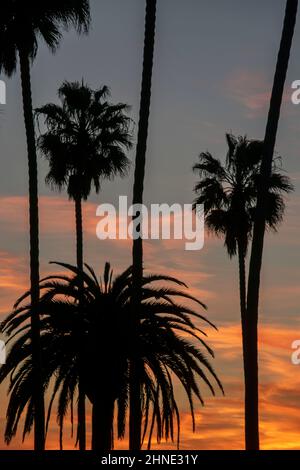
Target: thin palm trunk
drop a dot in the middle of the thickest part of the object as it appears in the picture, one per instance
(81, 392)
(102, 421)
(243, 308)
(252, 429)
(242, 280)
(137, 252)
(38, 392)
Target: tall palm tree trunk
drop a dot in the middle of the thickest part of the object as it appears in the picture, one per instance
(81, 392)
(137, 252)
(243, 308)
(38, 391)
(252, 429)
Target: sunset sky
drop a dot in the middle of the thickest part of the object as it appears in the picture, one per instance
(214, 65)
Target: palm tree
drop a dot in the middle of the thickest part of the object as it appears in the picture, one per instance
(21, 24)
(252, 432)
(85, 143)
(229, 195)
(138, 188)
(162, 350)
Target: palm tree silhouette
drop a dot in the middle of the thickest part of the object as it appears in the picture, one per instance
(85, 142)
(252, 431)
(138, 189)
(21, 24)
(166, 346)
(229, 195)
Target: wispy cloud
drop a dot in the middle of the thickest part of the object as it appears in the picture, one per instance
(210, 277)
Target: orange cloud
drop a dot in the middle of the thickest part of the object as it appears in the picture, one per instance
(211, 277)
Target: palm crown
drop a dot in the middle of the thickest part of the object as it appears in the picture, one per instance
(86, 139)
(229, 192)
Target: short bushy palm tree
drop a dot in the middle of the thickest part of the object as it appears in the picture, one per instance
(229, 195)
(138, 189)
(167, 347)
(85, 142)
(22, 24)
